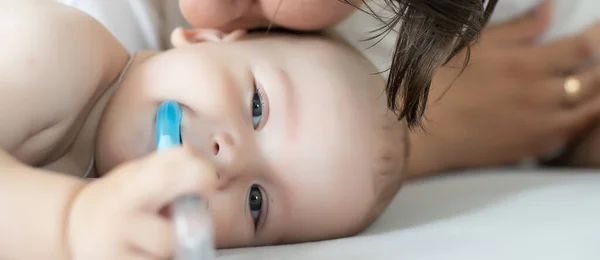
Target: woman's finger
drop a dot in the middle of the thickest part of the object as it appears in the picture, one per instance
(524, 29)
(573, 121)
(566, 54)
(152, 235)
(576, 90)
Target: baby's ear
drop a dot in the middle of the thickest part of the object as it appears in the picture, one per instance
(181, 37)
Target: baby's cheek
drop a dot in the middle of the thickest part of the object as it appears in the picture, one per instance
(230, 235)
(231, 228)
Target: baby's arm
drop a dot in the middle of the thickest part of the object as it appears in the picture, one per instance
(33, 206)
(52, 59)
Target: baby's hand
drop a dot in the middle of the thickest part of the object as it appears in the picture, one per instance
(119, 216)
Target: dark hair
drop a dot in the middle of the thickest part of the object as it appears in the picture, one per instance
(430, 34)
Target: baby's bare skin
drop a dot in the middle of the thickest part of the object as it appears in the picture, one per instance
(46, 89)
(315, 126)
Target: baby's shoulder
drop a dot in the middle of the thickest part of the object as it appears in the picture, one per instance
(55, 60)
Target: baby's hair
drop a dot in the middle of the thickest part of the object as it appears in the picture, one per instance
(430, 34)
(391, 166)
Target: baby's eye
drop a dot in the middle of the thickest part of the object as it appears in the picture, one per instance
(255, 200)
(257, 109)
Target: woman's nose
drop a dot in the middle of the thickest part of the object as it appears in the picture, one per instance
(214, 13)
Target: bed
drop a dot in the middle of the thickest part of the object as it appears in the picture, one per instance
(483, 214)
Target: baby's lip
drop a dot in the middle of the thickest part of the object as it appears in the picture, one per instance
(194, 136)
(196, 132)
(183, 126)
(185, 119)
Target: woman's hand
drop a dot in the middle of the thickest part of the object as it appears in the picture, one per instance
(510, 103)
(121, 216)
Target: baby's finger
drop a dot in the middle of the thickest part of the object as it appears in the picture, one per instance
(170, 174)
(138, 257)
(157, 180)
(152, 235)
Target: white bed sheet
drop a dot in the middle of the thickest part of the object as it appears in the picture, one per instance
(494, 214)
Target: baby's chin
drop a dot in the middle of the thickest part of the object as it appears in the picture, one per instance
(111, 154)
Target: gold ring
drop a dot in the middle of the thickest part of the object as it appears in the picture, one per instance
(572, 89)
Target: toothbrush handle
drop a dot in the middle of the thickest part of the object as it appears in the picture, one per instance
(192, 220)
(193, 229)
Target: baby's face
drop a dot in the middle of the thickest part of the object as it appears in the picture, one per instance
(293, 14)
(292, 125)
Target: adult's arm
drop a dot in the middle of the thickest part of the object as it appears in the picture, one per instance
(510, 103)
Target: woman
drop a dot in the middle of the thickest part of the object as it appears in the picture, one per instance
(517, 99)
(428, 37)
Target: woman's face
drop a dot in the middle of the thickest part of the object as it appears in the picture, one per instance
(244, 14)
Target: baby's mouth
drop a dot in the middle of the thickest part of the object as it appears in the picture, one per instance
(184, 125)
(195, 133)
(197, 143)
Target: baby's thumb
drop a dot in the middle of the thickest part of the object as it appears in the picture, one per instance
(159, 179)
(524, 29)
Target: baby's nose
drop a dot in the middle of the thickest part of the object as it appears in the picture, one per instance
(223, 147)
(218, 147)
(216, 143)
(226, 154)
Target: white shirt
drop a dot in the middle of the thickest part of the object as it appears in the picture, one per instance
(137, 24)
(569, 16)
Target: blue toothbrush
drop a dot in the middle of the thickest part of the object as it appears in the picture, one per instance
(192, 222)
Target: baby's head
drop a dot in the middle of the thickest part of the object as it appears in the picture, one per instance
(296, 125)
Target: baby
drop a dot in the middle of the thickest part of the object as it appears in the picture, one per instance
(287, 137)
